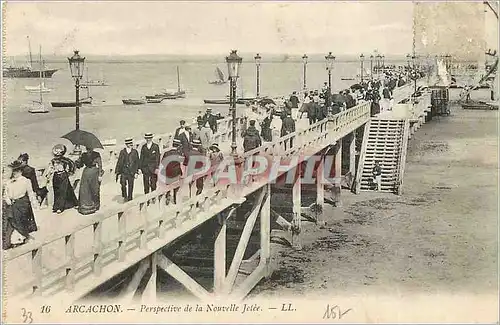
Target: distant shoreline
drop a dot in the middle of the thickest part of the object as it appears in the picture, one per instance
(215, 58)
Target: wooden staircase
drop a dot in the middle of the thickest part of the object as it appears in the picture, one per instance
(385, 140)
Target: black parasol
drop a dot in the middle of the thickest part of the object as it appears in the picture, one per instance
(265, 101)
(83, 138)
(356, 87)
(338, 98)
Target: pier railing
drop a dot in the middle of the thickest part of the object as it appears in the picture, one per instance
(141, 226)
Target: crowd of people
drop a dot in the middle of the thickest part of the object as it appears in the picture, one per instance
(264, 121)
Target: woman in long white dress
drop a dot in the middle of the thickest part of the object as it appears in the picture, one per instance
(20, 201)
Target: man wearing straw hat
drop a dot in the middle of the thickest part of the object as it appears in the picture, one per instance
(149, 162)
(127, 167)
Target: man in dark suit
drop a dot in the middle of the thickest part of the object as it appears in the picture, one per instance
(127, 167)
(178, 131)
(186, 146)
(211, 119)
(150, 160)
(287, 127)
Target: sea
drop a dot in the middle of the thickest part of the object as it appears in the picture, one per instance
(133, 78)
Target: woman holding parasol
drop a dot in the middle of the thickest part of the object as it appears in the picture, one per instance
(88, 194)
(90, 182)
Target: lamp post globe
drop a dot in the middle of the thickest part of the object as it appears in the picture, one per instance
(258, 58)
(233, 66)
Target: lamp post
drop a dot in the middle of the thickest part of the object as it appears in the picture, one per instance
(257, 63)
(361, 59)
(371, 66)
(413, 59)
(233, 66)
(304, 60)
(378, 64)
(330, 59)
(76, 66)
(383, 61)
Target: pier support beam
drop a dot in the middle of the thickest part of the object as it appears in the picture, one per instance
(265, 233)
(220, 254)
(338, 173)
(320, 192)
(128, 292)
(149, 294)
(243, 243)
(297, 209)
(352, 153)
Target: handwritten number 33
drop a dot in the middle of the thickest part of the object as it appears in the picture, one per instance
(27, 317)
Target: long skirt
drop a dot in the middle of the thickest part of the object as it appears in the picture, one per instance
(21, 216)
(64, 195)
(89, 196)
(266, 134)
(6, 225)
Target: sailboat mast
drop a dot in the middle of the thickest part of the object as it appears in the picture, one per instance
(87, 78)
(178, 81)
(29, 52)
(40, 58)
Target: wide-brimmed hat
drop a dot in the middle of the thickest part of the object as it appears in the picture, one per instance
(214, 146)
(16, 165)
(148, 136)
(129, 141)
(23, 157)
(59, 150)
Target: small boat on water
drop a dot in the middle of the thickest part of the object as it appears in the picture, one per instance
(346, 78)
(83, 101)
(221, 80)
(226, 101)
(162, 96)
(37, 107)
(133, 101)
(95, 83)
(86, 101)
(36, 89)
(154, 100)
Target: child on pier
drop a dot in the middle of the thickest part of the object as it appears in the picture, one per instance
(377, 176)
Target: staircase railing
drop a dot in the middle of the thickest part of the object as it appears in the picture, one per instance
(402, 157)
(362, 154)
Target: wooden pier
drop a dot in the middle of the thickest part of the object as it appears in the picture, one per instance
(73, 254)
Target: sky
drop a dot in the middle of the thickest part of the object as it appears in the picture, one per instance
(139, 28)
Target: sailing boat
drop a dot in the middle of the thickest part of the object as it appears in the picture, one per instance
(220, 76)
(38, 106)
(95, 83)
(27, 71)
(166, 94)
(41, 87)
(84, 100)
